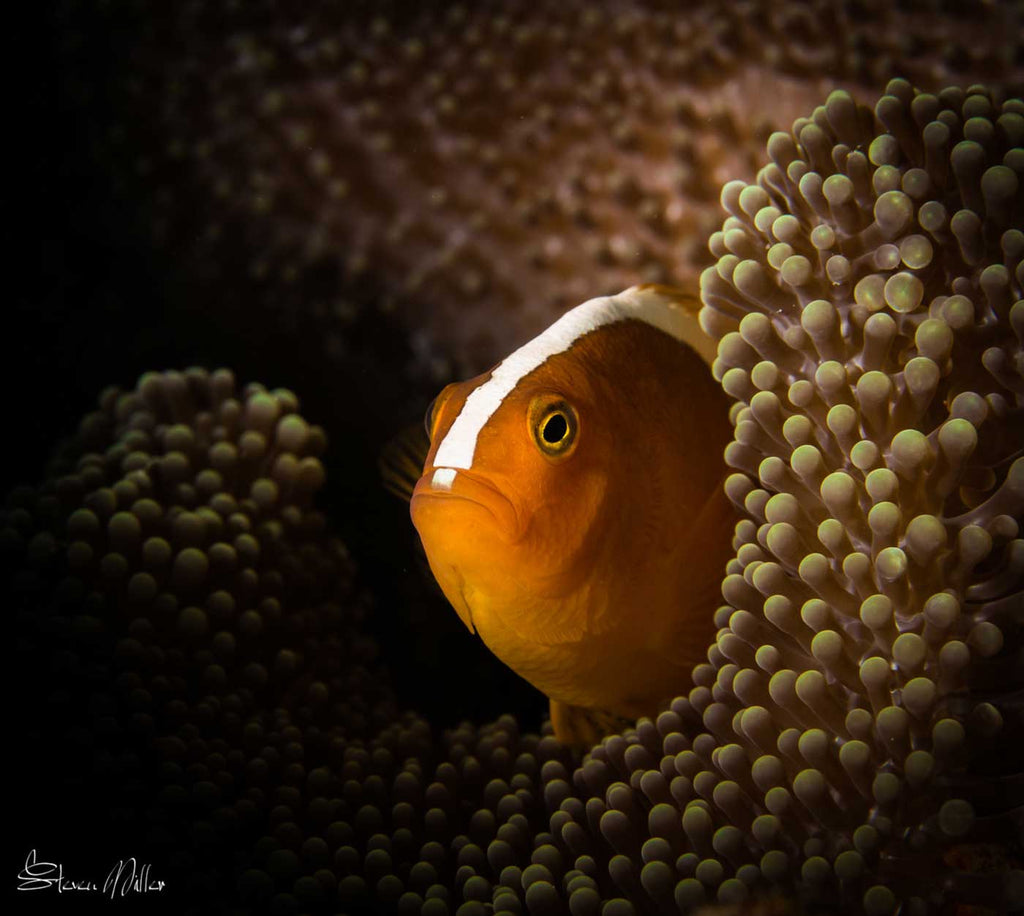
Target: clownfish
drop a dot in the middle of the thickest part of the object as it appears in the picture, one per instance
(572, 510)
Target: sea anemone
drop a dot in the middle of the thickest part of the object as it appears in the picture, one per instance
(862, 689)
(171, 579)
(179, 524)
(469, 171)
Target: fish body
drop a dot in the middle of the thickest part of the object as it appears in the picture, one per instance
(571, 508)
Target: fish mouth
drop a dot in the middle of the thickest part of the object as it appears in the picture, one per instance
(458, 483)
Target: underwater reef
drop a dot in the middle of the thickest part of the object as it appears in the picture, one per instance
(192, 637)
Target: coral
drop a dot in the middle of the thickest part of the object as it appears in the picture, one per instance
(472, 169)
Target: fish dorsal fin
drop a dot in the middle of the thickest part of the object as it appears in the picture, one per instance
(690, 331)
(401, 461)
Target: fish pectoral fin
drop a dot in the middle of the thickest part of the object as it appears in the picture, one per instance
(401, 461)
(578, 726)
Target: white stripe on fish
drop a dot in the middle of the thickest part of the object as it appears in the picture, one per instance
(443, 479)
(459, 445)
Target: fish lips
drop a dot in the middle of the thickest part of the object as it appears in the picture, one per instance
(457, 483)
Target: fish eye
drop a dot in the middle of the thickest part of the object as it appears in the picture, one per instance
(555, 428)
(554, 425)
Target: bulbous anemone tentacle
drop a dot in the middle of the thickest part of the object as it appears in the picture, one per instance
(867, 300)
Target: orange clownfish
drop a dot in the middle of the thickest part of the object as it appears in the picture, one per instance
(571, 507)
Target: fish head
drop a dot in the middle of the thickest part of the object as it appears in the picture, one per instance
(560, 490)
(504, 526)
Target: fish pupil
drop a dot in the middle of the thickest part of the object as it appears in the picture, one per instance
(555, 429)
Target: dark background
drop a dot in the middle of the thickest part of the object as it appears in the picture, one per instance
(90, 302)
